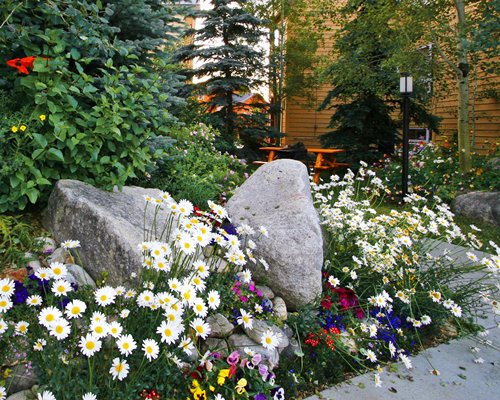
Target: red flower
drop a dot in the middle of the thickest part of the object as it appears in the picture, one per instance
(22, 64)
(327, 303)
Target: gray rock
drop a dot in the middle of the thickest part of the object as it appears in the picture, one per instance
(292, 350)
(35, 265)
(109, 226)
(483, 206)
(278, 197)
(59, 255)
(288, 331)
(78, 275)
(23, 395)
(216, 345)
(239, 342)
(258, 329)
(22, 378)
(266, 291)
(49, 244)
(279, 309)
(221, 327)
(494, 164)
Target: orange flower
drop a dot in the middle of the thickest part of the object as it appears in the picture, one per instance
(22, 64)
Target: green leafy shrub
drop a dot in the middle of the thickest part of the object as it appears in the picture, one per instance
(434, 170)
(81, 100)
(192, 168)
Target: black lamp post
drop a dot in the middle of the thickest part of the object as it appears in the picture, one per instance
(406, 88)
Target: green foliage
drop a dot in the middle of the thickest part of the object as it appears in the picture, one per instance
(89, 101)
(16, 238)
(191, 167)
(232, 66)
(434, 170)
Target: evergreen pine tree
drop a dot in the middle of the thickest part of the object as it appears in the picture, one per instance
(231, 65)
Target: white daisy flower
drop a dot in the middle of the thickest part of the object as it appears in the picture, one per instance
(150, 349)
(70, 244)
(49, 315)
(97, 316)
(3, 393)
(115, 329)
(333, 281)
(199, 308)
(105, 296)
(370, 355)
(246, 276)
(21, 328)
(213, 299)
(119, 369)
(7, 287)
(406, 361)
(34, 300)
(61, 287)
(126, 345)
(75, 309)
(269, 340)
(43, 274)
(124, 313)
(174, 284)
(99, 329)
(202, 269)
(198, 283)
(39, 344)
(186, 243)
(456, 310)
(3, 326)
(169, 332)
(202, 329)
(58, 270)
(185, 207)
(263, 231)
(146, 298)
(5, 304)
(89, 345)
(60, 329)
(186, 345)
(245, 319)
(89, 396)
(188, 294)
(46, 395)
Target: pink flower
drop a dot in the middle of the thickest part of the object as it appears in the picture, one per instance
(233, 358)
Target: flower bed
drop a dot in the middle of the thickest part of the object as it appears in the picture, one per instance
(386, 294)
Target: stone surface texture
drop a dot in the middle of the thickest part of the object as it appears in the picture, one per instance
(278, 197)
(484, 206)
(109, 225)
(220, 326)
(239, 342)
(259, 327)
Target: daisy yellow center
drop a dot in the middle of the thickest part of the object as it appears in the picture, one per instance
(119, 368)
(187, 245)
(104, 297)
(167, 332)
(187, 295)
(197, 281)
(175, 307)
(199, 307)
(149, 349)
(200, 329)
(126, 346)
(147, 298)
(99, 329)
(90, 345)
(5, 288)
(3, 303)
(268, 340)
(171, 317)
(245, 319)
(59, 329)
(50, 318)
(75, 310)
(61, 289)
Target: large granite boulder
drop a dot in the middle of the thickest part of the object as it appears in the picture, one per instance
(109, 226)
(483, 206)
(278, 197)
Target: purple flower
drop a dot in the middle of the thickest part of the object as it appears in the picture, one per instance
(260, 396)
(256, 359)
(244, 299)
(263, 370)
(251, 287)
(233, 358)
(20, 293)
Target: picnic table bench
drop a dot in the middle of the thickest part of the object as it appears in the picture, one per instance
(325, 159)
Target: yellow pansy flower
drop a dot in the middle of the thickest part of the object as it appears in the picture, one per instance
(23, 127)
(14, 129)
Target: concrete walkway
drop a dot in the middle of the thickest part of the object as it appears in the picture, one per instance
(469, 368)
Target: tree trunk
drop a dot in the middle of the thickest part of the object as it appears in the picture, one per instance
(463, 90)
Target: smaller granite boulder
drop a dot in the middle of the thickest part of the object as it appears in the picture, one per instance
(220, 326)
(259, 327)
(483, 206)
(240, 342)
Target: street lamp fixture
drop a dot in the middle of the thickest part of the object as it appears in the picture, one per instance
(405, 88)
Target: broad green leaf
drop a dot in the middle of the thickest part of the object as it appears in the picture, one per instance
(55, 154)
(40, 140)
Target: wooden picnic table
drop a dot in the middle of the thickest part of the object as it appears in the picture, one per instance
(325, 159)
